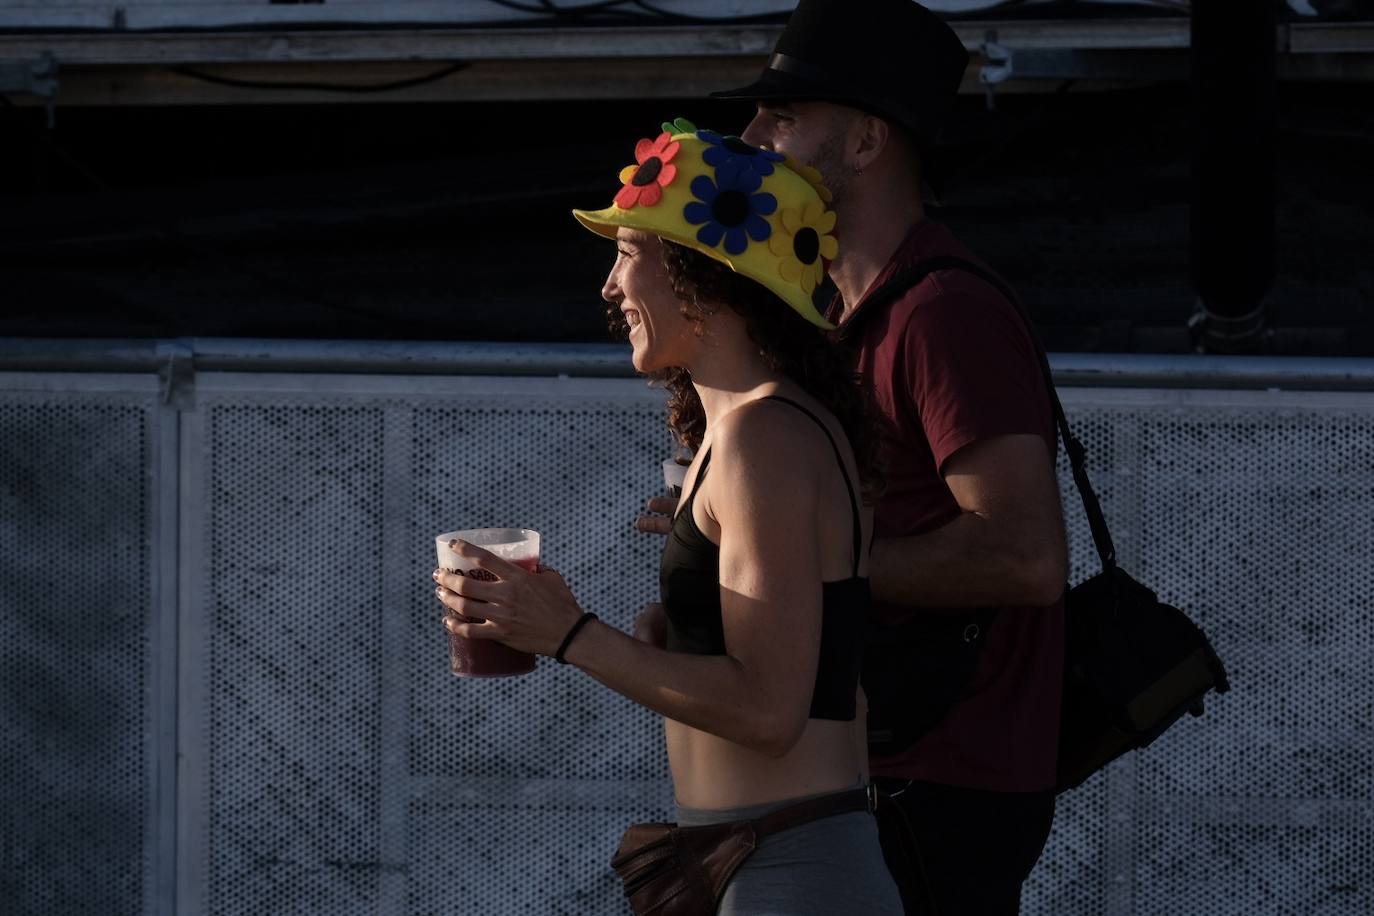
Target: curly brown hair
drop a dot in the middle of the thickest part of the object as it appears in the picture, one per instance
(787, 342)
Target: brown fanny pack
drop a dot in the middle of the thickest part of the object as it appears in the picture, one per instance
(682, 871)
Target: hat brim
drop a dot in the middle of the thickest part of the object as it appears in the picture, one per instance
(776, 85)
(598, 223)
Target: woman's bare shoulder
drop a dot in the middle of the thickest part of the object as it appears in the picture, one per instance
(770, 437)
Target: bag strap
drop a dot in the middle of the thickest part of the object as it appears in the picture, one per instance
(906, 279)
(811, 810)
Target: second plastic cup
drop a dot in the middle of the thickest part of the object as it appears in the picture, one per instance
(674, 474)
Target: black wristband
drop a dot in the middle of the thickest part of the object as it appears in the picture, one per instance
(567, 640)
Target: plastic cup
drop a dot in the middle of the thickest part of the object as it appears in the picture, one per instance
(675, 474)
(486, 657)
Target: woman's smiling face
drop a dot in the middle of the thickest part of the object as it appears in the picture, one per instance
(661, 335)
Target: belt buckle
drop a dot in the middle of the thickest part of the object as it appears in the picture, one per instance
(871, 790)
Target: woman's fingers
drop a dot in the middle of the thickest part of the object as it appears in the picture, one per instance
(553, 574)
(476, 588)
(653, 524)
(664, 505)
(467, 606)
(485, 559)
(470, 629)
(496, 599)
(661, 523)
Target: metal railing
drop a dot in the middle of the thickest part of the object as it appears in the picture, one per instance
(607, 360)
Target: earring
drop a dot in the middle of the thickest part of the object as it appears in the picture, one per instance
(857, 171)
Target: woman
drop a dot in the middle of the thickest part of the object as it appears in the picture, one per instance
(763, 576)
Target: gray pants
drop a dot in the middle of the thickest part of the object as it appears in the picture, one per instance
(833, 865)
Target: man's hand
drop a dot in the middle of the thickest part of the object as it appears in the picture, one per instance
(661, 521)
(651, 625)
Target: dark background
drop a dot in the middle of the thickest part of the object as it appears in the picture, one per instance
(449, 221)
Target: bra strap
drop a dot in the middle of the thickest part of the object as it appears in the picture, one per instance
(853, 500)
(701, 475)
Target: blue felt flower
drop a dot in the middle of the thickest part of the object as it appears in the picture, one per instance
(720, 150)
(728, 208)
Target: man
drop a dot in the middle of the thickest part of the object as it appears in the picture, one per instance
(970, 518)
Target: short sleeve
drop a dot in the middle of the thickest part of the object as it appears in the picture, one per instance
(972, 371)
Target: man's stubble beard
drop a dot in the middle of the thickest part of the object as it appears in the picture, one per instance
(829, 161)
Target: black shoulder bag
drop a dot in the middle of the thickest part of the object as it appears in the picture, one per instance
(1132, 664)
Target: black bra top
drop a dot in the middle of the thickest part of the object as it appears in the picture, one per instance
(689, 580)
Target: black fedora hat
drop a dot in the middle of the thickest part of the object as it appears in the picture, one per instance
(894, 58)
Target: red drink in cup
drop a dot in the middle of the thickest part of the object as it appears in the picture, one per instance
(486, 657)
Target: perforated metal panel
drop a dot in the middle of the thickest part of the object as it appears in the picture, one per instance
(331, 765)
(74, 613)
(294, 528)
(518, 859)
(1272, 548)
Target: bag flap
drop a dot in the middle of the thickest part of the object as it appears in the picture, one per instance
(719, 849)
(647, 841)
(1123, 640)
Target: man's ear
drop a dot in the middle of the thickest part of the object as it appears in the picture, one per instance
(873, 136)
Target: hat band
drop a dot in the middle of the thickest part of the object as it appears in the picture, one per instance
(785, 63)
(834, 87)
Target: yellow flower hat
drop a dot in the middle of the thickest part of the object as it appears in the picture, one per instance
(734, 202)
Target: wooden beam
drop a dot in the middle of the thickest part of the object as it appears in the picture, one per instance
(299, 46)
(131, 68)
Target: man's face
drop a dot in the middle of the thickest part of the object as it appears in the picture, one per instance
(813, 133)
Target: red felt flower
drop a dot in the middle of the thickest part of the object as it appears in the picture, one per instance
(645, 181)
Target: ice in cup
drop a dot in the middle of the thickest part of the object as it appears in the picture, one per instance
(486, 657)
(675, 473)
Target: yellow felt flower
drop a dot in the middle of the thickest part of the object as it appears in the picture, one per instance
(812, 176)
(805, 244)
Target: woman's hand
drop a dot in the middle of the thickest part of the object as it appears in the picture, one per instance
(531, 612)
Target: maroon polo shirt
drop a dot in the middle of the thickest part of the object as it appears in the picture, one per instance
(950, 363)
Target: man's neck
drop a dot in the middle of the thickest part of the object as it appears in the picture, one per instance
(869, 237)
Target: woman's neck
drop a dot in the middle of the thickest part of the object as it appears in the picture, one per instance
(730, 371)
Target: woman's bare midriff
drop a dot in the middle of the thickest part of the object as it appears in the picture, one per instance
(712, 773)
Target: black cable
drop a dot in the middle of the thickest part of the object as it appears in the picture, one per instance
(520, 7)
(321, 87)
(669, 16)
(977, 12)
(550, 8)
(584, 8)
